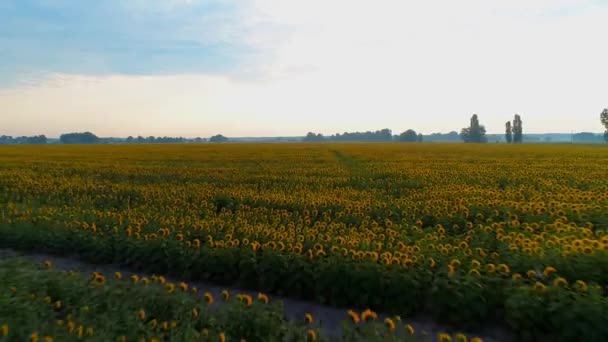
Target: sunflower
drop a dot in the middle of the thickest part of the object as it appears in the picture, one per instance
(354, 317)
(538, 286)
(162, 279)
(531, 274)
(560, 282)
(549, 270)
(141, 314)
(368, 315)
(208, 298)
(225, 295)
(48, 264)
(461, 338)
(47, 339)
(245, 298)
(4, 330)
(222, 337)
(476, 339)
(455, 262)
(71, 327)
(135, 278)
(89, 331)
(443, 337)
(34, 337)
(490, 268)
(170, 287)
(98, 279)
(410, 329)
(581, 286)
(145, 281)
(183, 286)
(194, 313)
(390, 324)
(263, 298)
(117, 275)
(451, 270)
(516, 276)
(504, 269)
(474, 273)
(311, 335)
(308, 318)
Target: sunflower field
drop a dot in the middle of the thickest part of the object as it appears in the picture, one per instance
(469, 235)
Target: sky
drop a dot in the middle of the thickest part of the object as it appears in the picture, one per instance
(286, 67)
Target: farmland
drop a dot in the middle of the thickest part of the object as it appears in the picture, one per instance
(468, 235)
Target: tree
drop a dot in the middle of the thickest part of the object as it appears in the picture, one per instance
(312, 137)
(508, 132)
(419, 139)
(604, 118)
(475, 133)
(408, 136)
(218, 138)
(79, 138)
(517, 130)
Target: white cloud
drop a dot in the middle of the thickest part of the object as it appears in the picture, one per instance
(334, 65)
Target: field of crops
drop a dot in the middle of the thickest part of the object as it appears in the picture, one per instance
(469, 235)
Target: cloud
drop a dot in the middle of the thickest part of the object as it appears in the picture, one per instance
(262, 67)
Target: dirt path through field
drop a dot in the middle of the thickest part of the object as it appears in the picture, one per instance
(330, 317)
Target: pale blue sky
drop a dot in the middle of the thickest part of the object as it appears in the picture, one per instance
(285, 67)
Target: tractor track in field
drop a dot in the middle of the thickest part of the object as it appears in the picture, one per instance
(329, 318)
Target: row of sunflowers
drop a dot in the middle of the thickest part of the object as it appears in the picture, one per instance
(42, 303)
(470, 235)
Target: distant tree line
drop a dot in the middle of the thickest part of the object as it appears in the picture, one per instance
(474, 133)
(218, 139)
(79, 138)
(452, 136)
(8, 140)
(587, 137)
(369, 136)
(162, 140)
(410, 136)
(90, 138)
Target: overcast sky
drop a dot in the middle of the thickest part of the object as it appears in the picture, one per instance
(286, 67)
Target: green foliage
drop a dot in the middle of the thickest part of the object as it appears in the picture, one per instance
(604, 119)
(475, 133)
(408, 136)
(218, 138)
(508, 132)
(49, 301)
(517, 130)
(79, 138)
(563, 314)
